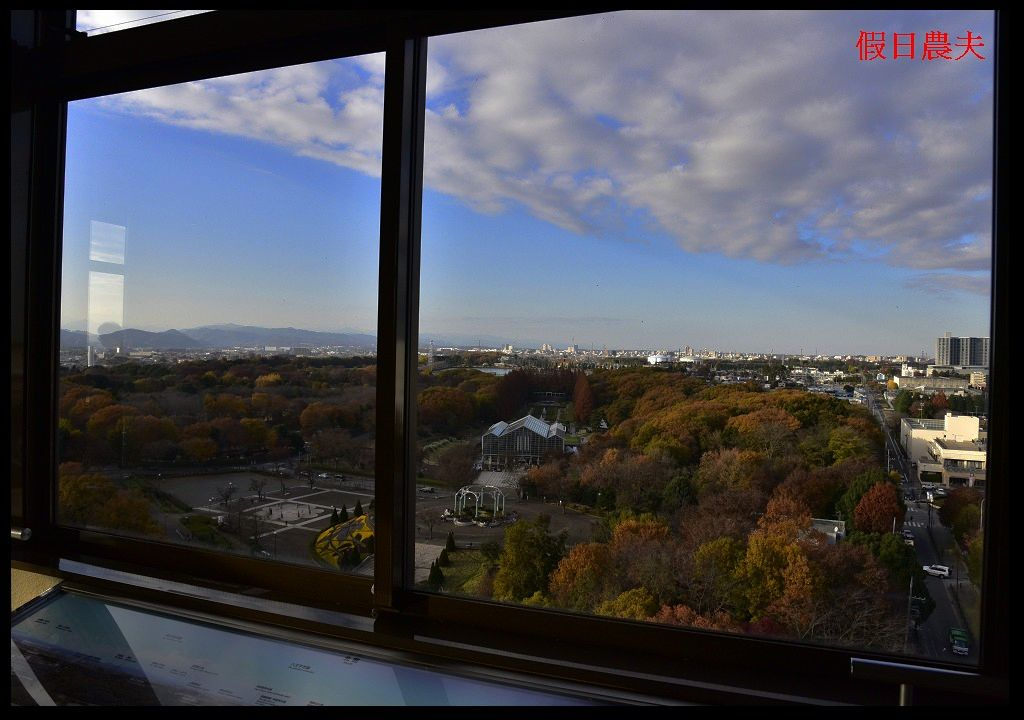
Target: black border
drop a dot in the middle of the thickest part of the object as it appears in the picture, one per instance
(58, 66)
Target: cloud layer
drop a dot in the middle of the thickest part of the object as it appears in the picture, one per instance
(751, 135)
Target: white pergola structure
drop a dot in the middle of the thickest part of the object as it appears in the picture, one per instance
(480, 493)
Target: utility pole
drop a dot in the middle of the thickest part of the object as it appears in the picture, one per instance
(910, 600)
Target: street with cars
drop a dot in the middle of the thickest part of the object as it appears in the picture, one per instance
(939, 557)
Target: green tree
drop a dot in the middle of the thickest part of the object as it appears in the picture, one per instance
(953, 505)
(901, 403)
(442, 559)
(358, 511)
(859, 485)
(975, 556)
(436, 578)
(529, 556)
(635, 604)
(335, 519)
(343, 514)
(491, 550)
(449, 544)
(713, 584)
(966, 523)
(846, 442)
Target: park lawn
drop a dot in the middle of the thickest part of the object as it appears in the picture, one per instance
(466, 571)
(205, 530)
(165, 501)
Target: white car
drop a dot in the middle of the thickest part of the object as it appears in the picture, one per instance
(937, 570)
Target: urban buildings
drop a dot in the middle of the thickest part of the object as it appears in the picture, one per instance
(961, 351)
(950, 450)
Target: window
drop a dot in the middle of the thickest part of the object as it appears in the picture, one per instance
(189, 411)
(656, 322)
(595, 648)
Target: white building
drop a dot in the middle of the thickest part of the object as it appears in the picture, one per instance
(659, 359)
(931, 385)
(953, 448)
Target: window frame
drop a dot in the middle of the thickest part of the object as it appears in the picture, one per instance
(58, 66)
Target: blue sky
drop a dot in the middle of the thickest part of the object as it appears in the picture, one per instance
(730, 180)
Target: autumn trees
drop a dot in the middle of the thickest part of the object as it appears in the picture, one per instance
(94, 500)
(199, 412)
(707, 496)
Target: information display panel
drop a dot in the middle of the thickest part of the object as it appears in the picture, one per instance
(78, 650)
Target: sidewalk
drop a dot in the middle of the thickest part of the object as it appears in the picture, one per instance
(967, 603)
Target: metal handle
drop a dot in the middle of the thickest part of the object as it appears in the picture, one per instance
(20, 533)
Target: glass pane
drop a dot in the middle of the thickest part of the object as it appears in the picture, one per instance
(98, 22)
(217, 383)
(681, 272)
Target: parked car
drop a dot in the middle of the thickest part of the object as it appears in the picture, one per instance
(937, 570)
(958, 641)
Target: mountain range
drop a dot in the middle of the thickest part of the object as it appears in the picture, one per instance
(229, 335)
(215, 337)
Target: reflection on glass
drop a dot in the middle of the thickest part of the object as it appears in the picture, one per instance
(106, 242)
(217, 380)
(98, 22)
(678, 301)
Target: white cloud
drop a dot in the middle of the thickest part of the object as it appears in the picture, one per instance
(285, 106)
(752, 135)
(947, 283)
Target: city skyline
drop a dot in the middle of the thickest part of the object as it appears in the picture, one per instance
(787, 197)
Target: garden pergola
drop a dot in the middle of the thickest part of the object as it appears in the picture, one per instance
(480, 493)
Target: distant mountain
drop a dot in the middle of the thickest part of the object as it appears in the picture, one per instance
(70, 339)
(142, 340)
(227, 336)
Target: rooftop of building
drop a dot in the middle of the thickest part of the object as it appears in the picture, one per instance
(968, 445)
(531, 423)
(925, 423)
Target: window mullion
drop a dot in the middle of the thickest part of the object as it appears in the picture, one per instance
(398, 314)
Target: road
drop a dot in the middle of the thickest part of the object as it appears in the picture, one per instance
(932, 542)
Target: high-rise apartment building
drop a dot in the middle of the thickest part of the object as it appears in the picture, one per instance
(960, 351)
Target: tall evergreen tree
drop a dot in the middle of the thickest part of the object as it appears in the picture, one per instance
(583, 398)
(334, 516)
(449, 545)
(358, 509)
(343, 515)
(436, 577)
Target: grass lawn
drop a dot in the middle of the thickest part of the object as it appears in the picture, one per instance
(205, 530)
(466, 571)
